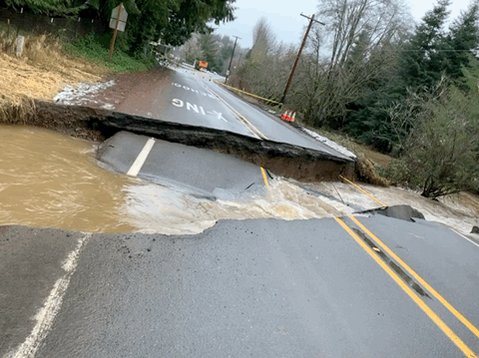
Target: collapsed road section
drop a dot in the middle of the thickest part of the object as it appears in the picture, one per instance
(281, 158)
(201, 171)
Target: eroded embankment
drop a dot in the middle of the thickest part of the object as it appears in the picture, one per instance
(98, 124)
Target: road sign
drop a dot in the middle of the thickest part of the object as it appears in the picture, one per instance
(118, 18)
(117, 23)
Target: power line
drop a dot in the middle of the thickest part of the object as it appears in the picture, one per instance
(295, 64)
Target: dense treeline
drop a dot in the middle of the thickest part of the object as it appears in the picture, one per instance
(411, 92)
(171, 21)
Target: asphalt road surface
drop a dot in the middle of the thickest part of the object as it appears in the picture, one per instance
(358, 286)
(192, 97)
(199, 171)
(262, 288)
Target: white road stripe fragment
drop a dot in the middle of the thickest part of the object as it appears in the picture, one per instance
(46, 315)
(465, 237)
(141, 159)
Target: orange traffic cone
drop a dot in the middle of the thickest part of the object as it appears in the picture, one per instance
(288, 116)
(293, 117)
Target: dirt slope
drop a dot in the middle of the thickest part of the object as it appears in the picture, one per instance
(42, 72)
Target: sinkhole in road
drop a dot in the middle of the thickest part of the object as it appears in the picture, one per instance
(50, 180)
(54, 181)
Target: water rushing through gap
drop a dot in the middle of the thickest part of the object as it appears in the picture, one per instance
(50, 180)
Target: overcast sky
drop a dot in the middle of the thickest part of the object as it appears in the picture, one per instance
(288, 25)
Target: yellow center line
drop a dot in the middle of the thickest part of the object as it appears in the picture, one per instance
(248, 125)
(265, 177)
(364, 191)
(242, 118)
(416, 299)
(418, 278)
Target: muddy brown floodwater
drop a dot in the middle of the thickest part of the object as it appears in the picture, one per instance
(51, 180)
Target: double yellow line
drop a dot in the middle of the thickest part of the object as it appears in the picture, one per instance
(363, 191)
(255, 131)
(422, 305)
(265, 177)
(465, 349)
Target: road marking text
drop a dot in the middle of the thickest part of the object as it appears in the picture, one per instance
(178, 103)
(189, 89)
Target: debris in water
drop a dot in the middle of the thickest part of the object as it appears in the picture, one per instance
(401, 212)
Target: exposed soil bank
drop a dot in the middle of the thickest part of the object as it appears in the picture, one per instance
(99, 124)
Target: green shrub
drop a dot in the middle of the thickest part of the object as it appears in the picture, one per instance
(96, 49)
(441, 155)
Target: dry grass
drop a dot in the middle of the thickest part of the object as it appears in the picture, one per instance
(40, 73)
(369, 163)
(367, 172)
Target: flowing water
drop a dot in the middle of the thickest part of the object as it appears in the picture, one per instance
(50, 180)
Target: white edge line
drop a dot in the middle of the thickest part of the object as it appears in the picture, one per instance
(465, 237)
(141, 159)
(46, 315)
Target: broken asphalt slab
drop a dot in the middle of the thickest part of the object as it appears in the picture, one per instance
(281, 158)
(401, 212)
(203, 172)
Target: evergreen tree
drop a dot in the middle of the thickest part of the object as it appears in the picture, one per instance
(171, 21)
(424, 58)
(462, 40)
(210, 49)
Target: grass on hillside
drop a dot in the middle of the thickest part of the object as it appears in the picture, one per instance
(379, 159)
(49, 64)
(41, 72)
(370, 165)
(95, 48)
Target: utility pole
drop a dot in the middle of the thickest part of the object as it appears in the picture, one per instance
(303, 43)
(228, 71)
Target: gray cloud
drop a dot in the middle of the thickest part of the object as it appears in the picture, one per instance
(286, 22)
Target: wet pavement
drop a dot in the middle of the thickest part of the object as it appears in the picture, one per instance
(201, 171)
(191, 97)
(257, 287)
(192, 88)
(362, 286)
